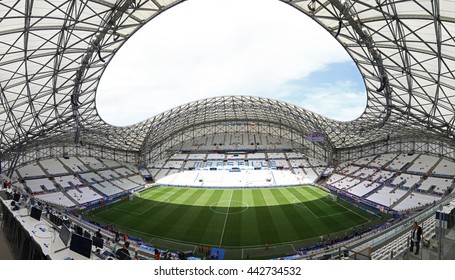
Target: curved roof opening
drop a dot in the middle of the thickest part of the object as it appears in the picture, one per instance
(206, 48)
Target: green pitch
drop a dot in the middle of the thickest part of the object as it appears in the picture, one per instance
(285, 218)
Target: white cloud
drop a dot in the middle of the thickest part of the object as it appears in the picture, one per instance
(338, 101)
(206, 48)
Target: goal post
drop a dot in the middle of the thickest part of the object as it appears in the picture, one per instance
(333, 196)
(134, 194)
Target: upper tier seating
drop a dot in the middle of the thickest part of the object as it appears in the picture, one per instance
(438, 185)
(445, 168)
(124, 171)
(84, 195)
(107, 188)
(382, 176)
(93, 163)
(111, 163)
(400, 161)
(387, 196)
(53, 167)
(109, 174)
(87, 180)
(364, 173)
(179, 156)
(299, 163)
(37, 185)
(66, 181)
(364, 161)
(381, 161)
(406, 180)
(56, 198)
(31, 171)
(395, 180)
(423, 164)
(91, 177)
(415, 200)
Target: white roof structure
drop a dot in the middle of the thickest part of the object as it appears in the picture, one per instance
(53, 55)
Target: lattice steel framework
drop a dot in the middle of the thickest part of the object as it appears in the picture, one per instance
(53, 54)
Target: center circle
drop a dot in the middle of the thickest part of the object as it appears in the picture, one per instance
(228, 207)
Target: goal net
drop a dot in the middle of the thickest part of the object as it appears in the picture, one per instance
(134, 194)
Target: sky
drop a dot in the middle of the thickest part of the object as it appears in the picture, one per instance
(205, 48)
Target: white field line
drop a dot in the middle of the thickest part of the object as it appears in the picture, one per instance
(225, 219)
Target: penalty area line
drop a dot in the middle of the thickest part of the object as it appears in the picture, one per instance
(369, 220)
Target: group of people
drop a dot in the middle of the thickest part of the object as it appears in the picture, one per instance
(124, 252)
(202, 249)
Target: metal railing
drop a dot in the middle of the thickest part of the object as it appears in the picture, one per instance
(381, 237)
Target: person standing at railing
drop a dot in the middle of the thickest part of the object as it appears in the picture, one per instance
(416, 236)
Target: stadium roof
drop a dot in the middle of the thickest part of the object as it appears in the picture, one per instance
(53, 55)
